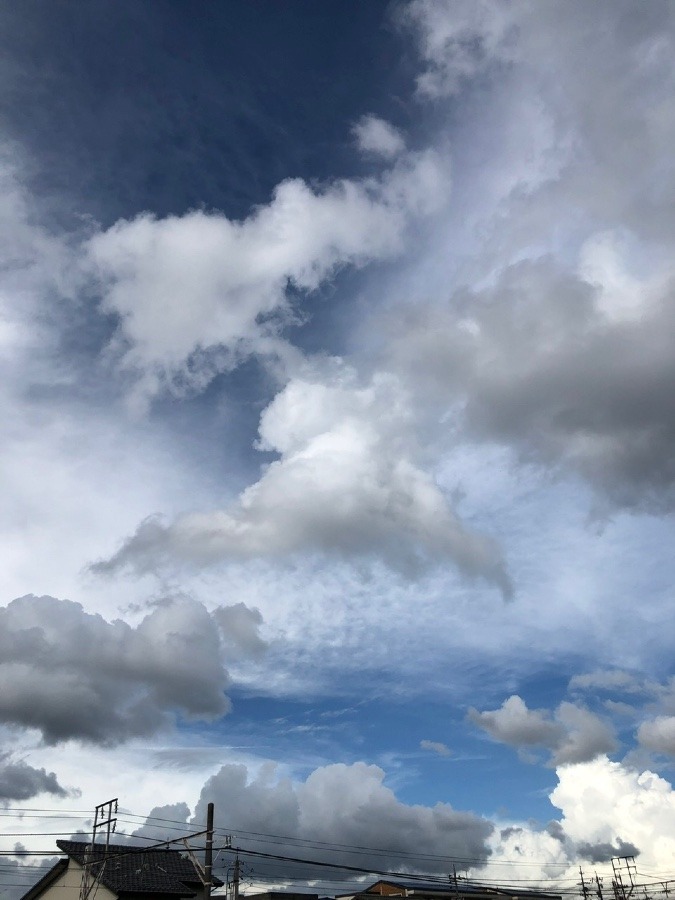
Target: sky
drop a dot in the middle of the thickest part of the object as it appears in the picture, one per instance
(337, 352)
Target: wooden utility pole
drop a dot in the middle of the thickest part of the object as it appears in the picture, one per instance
(208, 853)
(598, 887)
(583, 885)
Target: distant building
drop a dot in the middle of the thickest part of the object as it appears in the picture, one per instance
(124, 873)
(452, 890)
(281, 895)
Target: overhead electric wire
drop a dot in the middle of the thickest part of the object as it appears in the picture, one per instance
(309, 863)
(39, 809)
(271, 838)
(341, 866)
(175, 825)
(277, 839)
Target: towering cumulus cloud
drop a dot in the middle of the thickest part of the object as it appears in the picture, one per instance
(346, 484)
(344, 806)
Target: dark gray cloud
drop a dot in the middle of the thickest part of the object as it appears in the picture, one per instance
(573, 734)
(658, 735)
(536, 365)
(586, 736)
(19, 781)
(19, 876)
(514, 724)
(340, 804)
(603, 852)
(506, 833)
(240, 626)
(561, 346)
(72, 674)
(155, 827)
(555, 829)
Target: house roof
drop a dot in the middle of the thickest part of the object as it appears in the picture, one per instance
(51, 875)
(462, 889)
(137, 870)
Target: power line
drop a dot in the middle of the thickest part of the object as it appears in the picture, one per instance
(271, 838)
(178, 826)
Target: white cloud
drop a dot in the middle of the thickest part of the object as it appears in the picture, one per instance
(72, 468)
(196, 293)
(346, 484)
(436, 747)
(611, 680)
(546, 853)
(459, 40)
(607, 809)
(604, 261)
(603, 801)
(375, 135)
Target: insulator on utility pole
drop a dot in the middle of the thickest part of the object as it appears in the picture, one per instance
(104, 817)
(627, 863)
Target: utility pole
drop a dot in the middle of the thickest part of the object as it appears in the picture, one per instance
(598, 886)
(618, 863)
(104, 817)
(583, 885)
(235, 879)
(208, 853)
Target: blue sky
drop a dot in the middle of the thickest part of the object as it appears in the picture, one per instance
(337, 361)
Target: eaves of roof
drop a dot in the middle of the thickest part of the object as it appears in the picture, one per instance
(46, 880)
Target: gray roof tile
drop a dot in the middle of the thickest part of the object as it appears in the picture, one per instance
(137, 870)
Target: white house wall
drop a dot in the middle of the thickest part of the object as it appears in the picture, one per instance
(67, 886)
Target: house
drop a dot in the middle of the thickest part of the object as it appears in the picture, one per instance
(459, 889)
(124, 872)
(281, 895)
